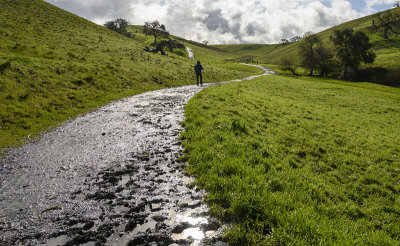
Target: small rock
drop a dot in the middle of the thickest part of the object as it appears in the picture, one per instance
(100, 195)
(161, 226)
(181, 227)
(194, 204)
(105, 230)
(88, 225)
(138, 208)
(130, 226)
(213, 225)
(159, 218)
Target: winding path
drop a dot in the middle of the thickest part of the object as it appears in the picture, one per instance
(111, 176)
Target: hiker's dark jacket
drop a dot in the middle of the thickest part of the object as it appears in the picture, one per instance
(198, 68)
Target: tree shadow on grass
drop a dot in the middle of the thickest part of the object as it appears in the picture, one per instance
(379, 75)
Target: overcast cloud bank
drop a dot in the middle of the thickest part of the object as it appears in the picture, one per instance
(227, 21)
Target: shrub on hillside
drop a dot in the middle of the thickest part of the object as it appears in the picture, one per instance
(288, 65)
(119, 25)
(352, 49)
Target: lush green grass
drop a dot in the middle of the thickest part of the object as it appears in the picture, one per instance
(387, 51)
(299, 161)
(213, 59)
(55, 65)
(254, 52)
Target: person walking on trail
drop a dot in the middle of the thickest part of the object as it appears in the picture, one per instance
(198, 68)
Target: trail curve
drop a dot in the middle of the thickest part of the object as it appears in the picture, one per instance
(111, 176)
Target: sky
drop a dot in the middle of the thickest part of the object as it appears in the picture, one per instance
(229, 21)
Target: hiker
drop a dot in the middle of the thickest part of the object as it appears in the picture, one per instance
(197, 68)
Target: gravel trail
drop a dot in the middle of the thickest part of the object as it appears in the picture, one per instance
(109, 177)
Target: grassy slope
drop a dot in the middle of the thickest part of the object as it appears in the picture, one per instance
(315, 161)
(213, 59)
(55, 65)
(388, 51)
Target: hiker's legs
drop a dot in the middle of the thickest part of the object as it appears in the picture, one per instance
(197, 78)
(201, 79)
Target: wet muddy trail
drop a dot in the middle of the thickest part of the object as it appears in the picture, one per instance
(109, 177)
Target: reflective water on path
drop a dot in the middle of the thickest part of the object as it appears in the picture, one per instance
(109, 177)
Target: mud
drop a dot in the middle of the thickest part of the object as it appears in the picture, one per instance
(109, 177)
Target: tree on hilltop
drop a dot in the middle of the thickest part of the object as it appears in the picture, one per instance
(352, 49)
(284, 41)
(396, 4)
(155, 29)
(118, 25)
(295, 39)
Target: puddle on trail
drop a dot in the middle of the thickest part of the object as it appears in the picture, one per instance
(110, 177)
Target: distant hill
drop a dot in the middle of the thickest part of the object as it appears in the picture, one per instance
(55, 65)
(388, 51)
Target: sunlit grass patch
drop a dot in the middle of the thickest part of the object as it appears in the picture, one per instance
(299, 161)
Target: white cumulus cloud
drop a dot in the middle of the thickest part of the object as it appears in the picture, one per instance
(224, 21)
(370, 5)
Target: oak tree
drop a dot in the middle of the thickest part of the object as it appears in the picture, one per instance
(118, 25)
(307, 51)
(155, 29)
(352, 49)
(388, 23)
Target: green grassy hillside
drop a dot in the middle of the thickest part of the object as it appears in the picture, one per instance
(55, 65)
(213, 59)
(387, 51)
(299, 161)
